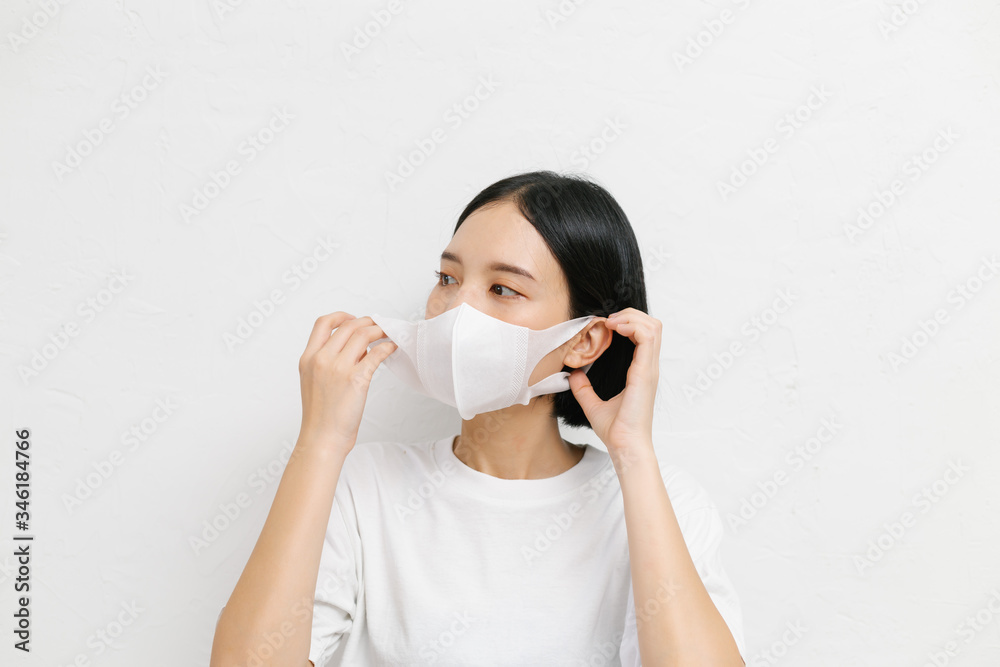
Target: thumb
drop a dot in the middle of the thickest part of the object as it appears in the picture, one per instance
(376, 356)
(583, 391)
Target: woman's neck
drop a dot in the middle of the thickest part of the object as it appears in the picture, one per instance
(509, 447)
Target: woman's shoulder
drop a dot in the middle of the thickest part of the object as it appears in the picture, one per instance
(389, 459)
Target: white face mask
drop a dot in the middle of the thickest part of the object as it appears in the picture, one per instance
(474, 362)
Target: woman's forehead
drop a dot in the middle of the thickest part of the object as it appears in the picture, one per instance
(501, 234)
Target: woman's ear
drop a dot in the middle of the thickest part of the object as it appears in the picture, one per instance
(590, 343)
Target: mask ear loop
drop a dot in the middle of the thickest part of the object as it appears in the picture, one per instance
(557, 381)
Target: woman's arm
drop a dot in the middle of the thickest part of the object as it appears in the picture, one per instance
(677, 621)
(272, 602)
(268, 618)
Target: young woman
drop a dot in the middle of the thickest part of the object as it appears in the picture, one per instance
(504, 544)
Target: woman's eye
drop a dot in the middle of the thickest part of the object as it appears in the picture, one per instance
(441, 276)
(506, 288)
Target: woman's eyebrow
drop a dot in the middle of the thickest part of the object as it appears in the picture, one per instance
(495, 266)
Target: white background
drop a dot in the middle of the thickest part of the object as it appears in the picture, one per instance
(685, 95)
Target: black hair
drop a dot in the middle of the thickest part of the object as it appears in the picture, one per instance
(595, 246)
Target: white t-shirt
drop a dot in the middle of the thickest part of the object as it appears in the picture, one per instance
(427, 561)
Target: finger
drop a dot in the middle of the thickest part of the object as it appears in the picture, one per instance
(356, 347)
(377, 355)
(337, 341)
(646, 336)
(321, 330)
(584, 392)
(374, 357)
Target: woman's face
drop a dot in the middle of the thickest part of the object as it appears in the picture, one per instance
(499, 264)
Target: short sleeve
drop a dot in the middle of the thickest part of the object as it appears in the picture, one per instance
(337, 585)
(703, 531)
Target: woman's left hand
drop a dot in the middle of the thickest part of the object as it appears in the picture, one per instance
(625, 421)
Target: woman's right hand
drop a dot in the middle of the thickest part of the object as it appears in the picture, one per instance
(335, 372)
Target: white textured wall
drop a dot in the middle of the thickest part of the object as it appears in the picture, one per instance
(127, 150)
